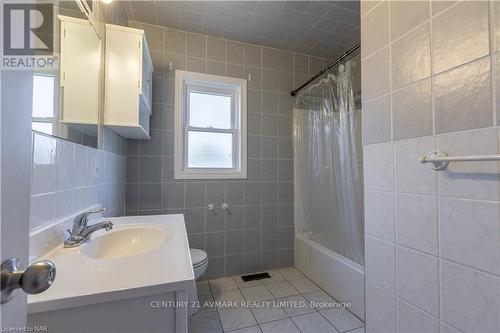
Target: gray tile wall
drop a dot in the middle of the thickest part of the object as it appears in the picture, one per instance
(430, 81)
(257, 232)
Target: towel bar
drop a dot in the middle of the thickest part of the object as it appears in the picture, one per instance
(440, 160)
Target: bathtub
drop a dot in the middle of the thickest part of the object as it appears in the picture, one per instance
(339, 276)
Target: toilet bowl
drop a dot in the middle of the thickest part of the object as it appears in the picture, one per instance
(199, 259)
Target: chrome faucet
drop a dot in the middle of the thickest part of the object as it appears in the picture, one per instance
(81, 232)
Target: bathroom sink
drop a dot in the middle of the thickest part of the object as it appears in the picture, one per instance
(126, 241)
(141, 256)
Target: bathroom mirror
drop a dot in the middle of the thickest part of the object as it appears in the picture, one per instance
(66, 100)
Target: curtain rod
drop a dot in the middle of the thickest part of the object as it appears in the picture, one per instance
(339, 59)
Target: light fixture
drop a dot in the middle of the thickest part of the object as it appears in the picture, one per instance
(107, 2)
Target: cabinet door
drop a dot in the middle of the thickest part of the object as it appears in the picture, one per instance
(80, 59)
(147, 77)
(123, 81)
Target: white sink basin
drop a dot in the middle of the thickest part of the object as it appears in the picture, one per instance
(107, 264)
(126, 241)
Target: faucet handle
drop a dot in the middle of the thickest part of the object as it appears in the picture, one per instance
(68, 237)
(94, 211)
(85, 216)
(109, 226)
(67, 233)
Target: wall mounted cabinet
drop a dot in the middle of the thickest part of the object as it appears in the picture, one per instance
(79, 74)
(129, 82)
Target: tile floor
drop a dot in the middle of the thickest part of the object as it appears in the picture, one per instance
(280, 304)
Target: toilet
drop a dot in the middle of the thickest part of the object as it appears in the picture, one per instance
(199, 259)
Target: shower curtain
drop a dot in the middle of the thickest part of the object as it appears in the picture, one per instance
(328, 163)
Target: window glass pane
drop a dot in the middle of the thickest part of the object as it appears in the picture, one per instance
(207, 110)
(43, 96)
(42, 127)
(210, 150)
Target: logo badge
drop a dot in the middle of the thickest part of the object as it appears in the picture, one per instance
(28, 36)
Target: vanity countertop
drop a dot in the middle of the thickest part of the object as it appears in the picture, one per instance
(91, 273)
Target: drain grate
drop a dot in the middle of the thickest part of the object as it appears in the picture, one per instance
(253, 277)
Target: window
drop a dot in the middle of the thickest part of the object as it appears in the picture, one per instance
(210, 126)
(43, 103)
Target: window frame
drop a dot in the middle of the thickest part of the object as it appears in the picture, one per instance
(187, 82)
(52, 120)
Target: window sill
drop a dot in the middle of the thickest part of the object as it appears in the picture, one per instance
(202, 176)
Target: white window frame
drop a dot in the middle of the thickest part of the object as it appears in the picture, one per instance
(48, 120)
(186, 82)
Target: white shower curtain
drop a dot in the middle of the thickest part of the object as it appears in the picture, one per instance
(328, 164)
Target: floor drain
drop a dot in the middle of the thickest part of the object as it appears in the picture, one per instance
(253, 277)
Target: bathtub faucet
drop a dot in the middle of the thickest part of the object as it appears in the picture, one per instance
(81, 232)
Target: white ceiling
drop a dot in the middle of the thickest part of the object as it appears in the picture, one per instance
(320, 28)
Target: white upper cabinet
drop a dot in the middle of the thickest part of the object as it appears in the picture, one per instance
(79, 74)
(129, 80)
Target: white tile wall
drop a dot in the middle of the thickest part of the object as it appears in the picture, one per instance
(445, 328)
(442, 237)
(411, 57)
(379, 167)
(470, 298)
(460, 105)
(418, 279)
(414, 177)
(380, 262)
(467, 233)
(380, 309)
(379, 215)
(65, 182)
(448, 251)
(372, 39)
(475, 180)
(460, 34)
(417, 222)
(412, 319)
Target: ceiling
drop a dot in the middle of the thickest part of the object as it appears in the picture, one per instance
(320, 28)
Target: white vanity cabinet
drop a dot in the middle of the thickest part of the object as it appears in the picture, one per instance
(129, 82)
(134, 278)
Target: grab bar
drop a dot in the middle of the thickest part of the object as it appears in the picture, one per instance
(440, 160)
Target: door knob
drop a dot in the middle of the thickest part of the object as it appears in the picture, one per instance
(37, 278)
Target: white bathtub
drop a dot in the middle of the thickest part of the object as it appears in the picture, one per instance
(340, 277)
